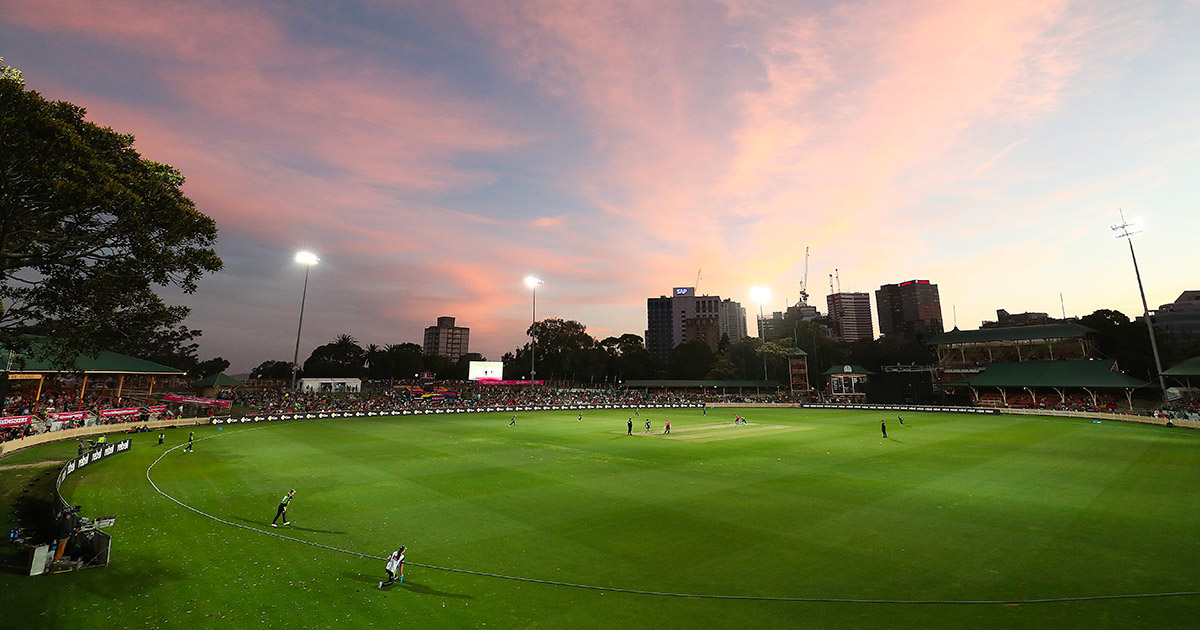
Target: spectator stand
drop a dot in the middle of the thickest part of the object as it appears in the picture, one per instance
(218, 385)
(106, 373)
(105, 389)
(1026, 379)
(1185, 400)
(964, 353)
(715, 391)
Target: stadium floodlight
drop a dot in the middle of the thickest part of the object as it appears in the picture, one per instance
(1126, 230)
(761, 295)
(533, 283)
(308, 259)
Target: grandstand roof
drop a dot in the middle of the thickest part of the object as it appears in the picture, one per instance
(685, 383)
(1097, 374)
(1191, 367)
(104, 363)
(1061, 330)
(219, 379)
(846, 369)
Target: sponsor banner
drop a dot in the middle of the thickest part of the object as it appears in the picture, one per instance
(100, 452)
(196, 400)
(902, 408)
(13, 421)
(106, 450)
(418, 412)
(500, 382)
(109, 413)
(156, 408)
(66, 415)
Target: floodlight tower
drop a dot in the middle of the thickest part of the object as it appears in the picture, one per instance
(1126, 230)
(533, 283)
(308, 259)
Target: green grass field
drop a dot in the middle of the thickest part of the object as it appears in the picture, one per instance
(798, 504)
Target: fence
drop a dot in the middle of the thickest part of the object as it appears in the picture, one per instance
(13, 446)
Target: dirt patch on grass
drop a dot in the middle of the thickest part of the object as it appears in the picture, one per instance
(49, 462)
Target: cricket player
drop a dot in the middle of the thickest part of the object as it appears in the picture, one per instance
(283, 506)
(394, 568)
(647, 425)
(667, 427)
(513, 422)
(580, 419)
(191, 439)
(629, 427)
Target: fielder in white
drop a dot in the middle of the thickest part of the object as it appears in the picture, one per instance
(395, 567)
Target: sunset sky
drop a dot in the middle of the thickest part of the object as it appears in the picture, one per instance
(434, 153)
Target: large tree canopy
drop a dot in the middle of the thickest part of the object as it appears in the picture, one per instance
(88, 230)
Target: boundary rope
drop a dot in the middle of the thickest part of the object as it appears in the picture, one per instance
(631, 591)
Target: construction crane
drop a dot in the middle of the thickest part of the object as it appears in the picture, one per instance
(804, 283)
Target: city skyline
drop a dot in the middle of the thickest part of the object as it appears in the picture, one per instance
(434, 154)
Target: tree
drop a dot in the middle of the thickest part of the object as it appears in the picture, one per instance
(691, 360)
(1127, 341)
(273, 369)
(204, 369)
(343, 358)
(776, 353)
(404, 360)
(88, 230)
(561, 345)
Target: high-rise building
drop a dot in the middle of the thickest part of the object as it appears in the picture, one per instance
(731, 317)
(770, 325)
(850, 316)
(682, 316)
(447, 340)
(910, 310)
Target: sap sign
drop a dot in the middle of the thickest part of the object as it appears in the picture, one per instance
(684, 291)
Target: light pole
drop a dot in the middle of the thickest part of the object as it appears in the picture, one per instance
(308, 259)
(533, 283)
(1126, 230)
(761, 295)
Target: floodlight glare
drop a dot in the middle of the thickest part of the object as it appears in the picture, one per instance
(308, 259)
(760, 294)
(532, 282)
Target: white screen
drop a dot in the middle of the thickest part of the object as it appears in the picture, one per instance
(485, 371)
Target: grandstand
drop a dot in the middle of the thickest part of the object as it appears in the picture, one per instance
(1051, 385)
(968, 351)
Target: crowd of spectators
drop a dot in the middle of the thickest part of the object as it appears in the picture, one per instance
(418, 396)
(44, 408)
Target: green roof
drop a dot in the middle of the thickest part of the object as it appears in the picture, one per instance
(218, 380)
(1062, 330)
(846, 369)
(1098, 374)
(104, 363)
(684, 383)
(1191, 367)
(797, 352)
